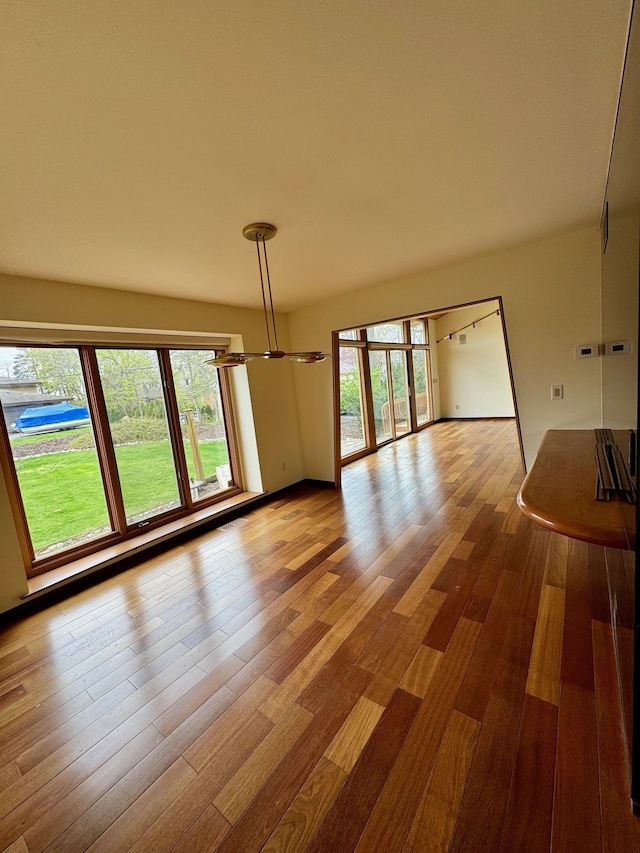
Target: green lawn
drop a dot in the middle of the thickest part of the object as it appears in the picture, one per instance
(63, 495)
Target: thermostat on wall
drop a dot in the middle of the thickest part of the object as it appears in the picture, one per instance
(586, 351)
(617, 347)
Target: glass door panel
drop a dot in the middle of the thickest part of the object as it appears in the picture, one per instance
(202, 424)
(401, 409)
(53, 449)
(137, 416)
(421, 386)
(382, 412)
(352, 432)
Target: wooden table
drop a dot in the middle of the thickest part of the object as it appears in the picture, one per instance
(559, 491)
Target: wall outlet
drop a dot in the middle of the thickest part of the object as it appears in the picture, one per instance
(557, 392)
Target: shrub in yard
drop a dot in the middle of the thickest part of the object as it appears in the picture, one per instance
(82, 442)
(127, 431)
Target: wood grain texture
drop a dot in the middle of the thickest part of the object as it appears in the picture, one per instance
(133, 822)
(303, 817)
(394, 811)
(409, 664)
(18, 846)
(362, 788)
(436, 814)
(555, 570)
(249, 834)
(543, 679)
(620, 828)
(347, 745)
(217, 733)
(576, 813)
(529, 812)
(243, 785)
(421, 671)
(204, 834)
(577, 642)
(178, 817)
(483, 806)
(559, 491)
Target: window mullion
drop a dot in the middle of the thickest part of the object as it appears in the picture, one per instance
(412, 393)
(7, 466)
(175, 432)
(230, 428)
(104, 443)
(392, 408)
(365, 378)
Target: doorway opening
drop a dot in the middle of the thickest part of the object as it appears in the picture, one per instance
(396, 377)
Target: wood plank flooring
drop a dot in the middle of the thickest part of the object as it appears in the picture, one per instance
(408, 665)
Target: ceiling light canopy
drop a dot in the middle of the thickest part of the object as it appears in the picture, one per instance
(259, 233)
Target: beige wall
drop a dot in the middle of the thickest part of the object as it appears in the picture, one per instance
(621, 261)
(435, 371)
(620, 321)
(474, 376)
(551, 297)
(13, 581)
(272, 455)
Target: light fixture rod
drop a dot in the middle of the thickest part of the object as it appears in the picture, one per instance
(273, 314)
(260, 232)
(264, 298)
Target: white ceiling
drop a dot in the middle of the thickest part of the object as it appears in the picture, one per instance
(138, 137)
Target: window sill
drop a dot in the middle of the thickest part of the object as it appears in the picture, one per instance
(75, 569)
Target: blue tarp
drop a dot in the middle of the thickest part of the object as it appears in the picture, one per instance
(61, 413)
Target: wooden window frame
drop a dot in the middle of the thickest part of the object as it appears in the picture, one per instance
(121, 530)
(366, 346)
(416, 427)
(361, 349)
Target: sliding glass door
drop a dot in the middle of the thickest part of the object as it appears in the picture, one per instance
(400, 392)
(384, 384)
(353, 435)
(421, 365)
(381, 394)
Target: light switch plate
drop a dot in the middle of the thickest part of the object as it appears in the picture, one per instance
(586, 351)
(617, 348)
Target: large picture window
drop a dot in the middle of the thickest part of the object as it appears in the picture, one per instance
(105, 441)
(139, 427)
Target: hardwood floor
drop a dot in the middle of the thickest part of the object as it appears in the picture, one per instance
(407, 665)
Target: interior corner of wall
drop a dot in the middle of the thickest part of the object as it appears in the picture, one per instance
(13, 579)
(244, 423)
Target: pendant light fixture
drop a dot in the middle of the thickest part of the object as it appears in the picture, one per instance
(259, 233)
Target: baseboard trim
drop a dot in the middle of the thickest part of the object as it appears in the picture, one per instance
(484, 418)
(319, 484)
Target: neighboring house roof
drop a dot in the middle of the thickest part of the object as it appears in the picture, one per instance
(8, 397)
(16, 384)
